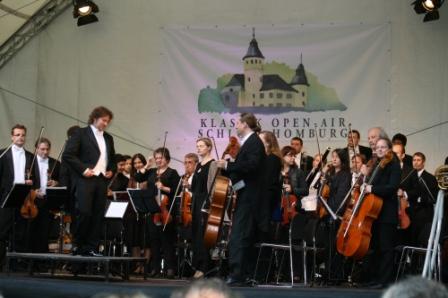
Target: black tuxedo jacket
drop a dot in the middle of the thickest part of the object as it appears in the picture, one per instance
(51, 163)
(7, 172)
(82, 151)
(415, 189)
(248, 167)
(366, 151)
(306, 163)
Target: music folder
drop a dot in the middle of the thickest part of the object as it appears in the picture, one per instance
(143, 200)
(16, 196)
(56, 196)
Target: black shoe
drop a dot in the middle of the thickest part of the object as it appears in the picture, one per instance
(170, 274)
(92, 253)
(154, 274)
(377, 286)
(250, 282)
(234, 282)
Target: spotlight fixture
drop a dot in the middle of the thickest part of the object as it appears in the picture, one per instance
(429, 8)
(85, 11)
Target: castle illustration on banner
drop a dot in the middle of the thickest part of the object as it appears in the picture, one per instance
(263, 88)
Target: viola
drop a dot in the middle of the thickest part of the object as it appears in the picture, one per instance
(164, 217)
(289, 203)
(29, 209)
(185, 205)
(354, 234)
(403, 218)
(323, 193)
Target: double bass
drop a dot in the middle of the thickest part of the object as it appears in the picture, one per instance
(354, 234)
(219, 198)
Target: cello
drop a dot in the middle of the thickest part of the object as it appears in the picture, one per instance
(219, 202)
(354, 233)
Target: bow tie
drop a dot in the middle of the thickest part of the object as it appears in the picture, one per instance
(17, 149)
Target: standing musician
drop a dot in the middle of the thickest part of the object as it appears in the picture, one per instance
(135, 228)
(165, 180)
(402, 140)
(127, 166)
(384, 230)
(303, 161)
(357, 161)
(338, 177)
(270, 197)
(90, 154)
(353, 146)
(200, 188)
(373, 135)
(119, 181)
(49, 170)
(14, 164)
(420, 190)
(247, 176)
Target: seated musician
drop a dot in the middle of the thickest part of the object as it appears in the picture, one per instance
(201, 185)
(384, 230)
(165, 180)
(420, 189)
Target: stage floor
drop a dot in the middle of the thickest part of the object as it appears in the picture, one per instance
(42, 285)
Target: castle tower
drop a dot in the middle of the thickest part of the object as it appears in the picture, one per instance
(253, 69)
(300, 83)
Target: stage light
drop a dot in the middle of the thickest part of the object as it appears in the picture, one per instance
(429, 8)
(85, 11)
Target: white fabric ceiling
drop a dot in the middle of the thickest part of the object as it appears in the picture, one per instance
(14, 13)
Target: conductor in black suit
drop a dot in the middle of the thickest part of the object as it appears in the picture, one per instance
(353, 146)
(246, 174)
(90, 154)
(14, 164)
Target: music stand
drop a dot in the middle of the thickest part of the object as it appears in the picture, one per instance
(56, 197)
(16, 196)
(143, 201)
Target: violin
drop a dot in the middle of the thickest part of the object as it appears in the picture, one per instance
(403, 218)
(323, 193)
(29, 209)
(354, 233)
(185, 203)
(163, 201)
(289, 203)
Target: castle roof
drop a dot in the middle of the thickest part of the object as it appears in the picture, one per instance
(253, 50)
(300, 76)
(274, 81)
(236, 80)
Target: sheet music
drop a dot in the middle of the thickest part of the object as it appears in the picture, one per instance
(116, 209)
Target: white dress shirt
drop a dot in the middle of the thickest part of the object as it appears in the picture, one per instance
(43, 173)
(19, 161)
(101, 165)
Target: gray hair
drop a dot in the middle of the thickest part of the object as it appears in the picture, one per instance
(416, 287)
(213, 288)
(382, 133)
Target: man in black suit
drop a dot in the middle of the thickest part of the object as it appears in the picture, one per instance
(353, 146)
(48, 176)
(421, 191)
(14, 164)
(302, 160)
(246, 174)
(90, 154)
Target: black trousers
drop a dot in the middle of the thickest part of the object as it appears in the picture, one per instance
(39, 228)
(381, 262)
(162, 242)
(241, 238)
(91, 195)
(201, 255)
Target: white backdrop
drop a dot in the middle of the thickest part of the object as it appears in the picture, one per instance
(120, 61)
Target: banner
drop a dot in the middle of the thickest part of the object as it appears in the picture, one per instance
(297, 80)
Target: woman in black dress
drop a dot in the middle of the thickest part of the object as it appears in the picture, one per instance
(163, 180)
(200, 188)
